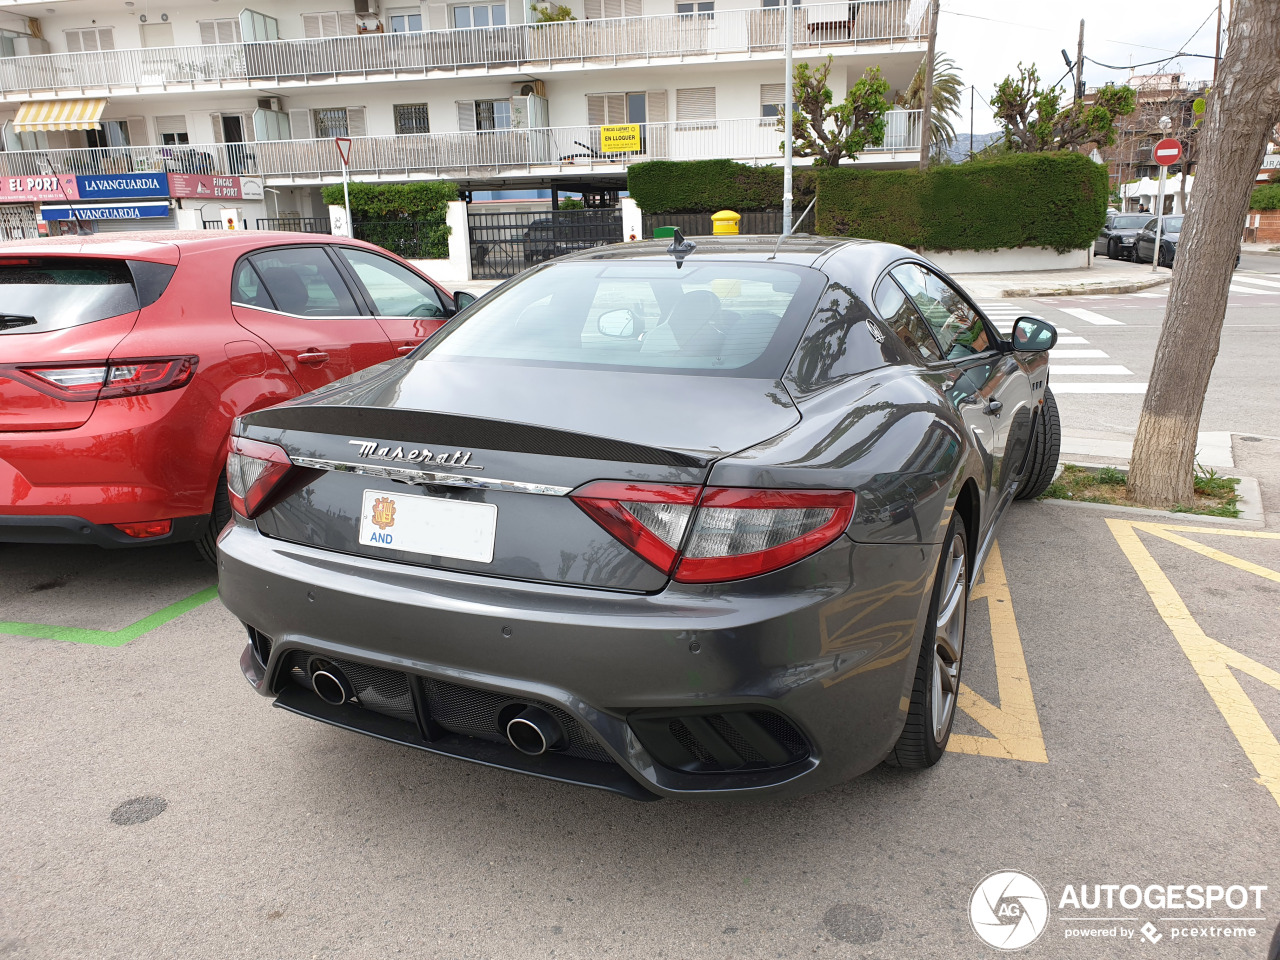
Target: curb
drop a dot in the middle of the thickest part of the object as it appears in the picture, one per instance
(1250, 503)
(1074, 291)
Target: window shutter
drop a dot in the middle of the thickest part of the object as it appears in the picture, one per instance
(137, 131)
(773, 93)
(696, 103)
(612, 8)
(300, 125)
(656, 106)
(88, 39)
(311, 26)
(595, 109)
(208, 32)
(217, 126)
(631, 8)
(355, 122)
(593, 9)
(176, 124)
(228, 31)
(246, 127)
(73, 41)
(466, 115)
(106, 39)
(617, 107)
(347, 25)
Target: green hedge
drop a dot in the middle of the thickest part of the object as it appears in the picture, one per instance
(407, 218)
(1056, 200)
(1265, 197)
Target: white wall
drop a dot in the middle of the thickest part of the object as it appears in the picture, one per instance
(1008, 261)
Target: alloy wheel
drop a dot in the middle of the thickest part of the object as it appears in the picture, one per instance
(948, 644)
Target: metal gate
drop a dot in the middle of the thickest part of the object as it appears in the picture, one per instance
(18, 222)
(503, 244)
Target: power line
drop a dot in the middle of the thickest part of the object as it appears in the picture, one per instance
(1029, 26)
(1112, 66)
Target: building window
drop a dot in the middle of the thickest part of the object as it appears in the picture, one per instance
(406, 20)
(114, 133)
(93, 38)
(703, 9)
(226, 30)
(493, 114)
(172, 130)
(695, 107)
(774, 4)
(480, 15)
(330, 122)
(772, 96)
(411, 118)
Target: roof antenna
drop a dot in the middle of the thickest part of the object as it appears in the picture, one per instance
(783, 236)
(680, 247)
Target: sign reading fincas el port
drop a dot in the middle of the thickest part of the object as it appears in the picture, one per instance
(204, 186)
(620, 138)
(1167, 152)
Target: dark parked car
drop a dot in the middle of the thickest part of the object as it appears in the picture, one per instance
(660, 520)
(1145, 241)
(1116, 238)
(557, 235)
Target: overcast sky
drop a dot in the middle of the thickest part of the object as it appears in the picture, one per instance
(987, 38)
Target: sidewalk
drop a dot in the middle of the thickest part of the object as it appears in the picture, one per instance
(1105, 276)
(1261, 249)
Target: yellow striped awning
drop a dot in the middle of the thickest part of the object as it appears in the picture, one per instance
(59, 115)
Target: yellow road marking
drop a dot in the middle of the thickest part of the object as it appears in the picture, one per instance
(1015, 724)
(1248, 567)
(1212, 661)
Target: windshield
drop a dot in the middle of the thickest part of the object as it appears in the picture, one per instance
(1172, 225)
(1130, 223)
(39, 294)
(739, 319)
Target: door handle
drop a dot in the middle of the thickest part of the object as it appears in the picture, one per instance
(407, 348)
(313, 356)
(994, 407)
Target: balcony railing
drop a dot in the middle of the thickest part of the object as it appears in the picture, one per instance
(448, 155)
(585, 42)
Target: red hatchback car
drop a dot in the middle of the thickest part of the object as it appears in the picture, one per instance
(125, 358)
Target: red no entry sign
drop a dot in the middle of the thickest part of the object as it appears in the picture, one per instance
(1167, 152)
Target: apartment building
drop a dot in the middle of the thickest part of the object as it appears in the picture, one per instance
(238, 108)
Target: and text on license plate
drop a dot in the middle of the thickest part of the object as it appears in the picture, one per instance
(454, 529)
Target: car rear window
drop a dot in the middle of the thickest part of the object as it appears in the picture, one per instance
(731, 318)
(39, 294)
(1129, 223)
(1172, 224)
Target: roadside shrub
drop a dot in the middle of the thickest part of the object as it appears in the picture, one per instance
(1056, 200)
(1265, 197)
(406, 218)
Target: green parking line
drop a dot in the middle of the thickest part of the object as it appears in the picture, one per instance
(109, 638)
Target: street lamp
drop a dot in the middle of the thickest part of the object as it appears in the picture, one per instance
(1165, 126)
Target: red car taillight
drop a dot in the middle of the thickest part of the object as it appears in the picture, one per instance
(104, 379)
(736, 532)
(254, 470)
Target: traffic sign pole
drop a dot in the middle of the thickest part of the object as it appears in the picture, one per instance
(344, 152)
(1166, 152)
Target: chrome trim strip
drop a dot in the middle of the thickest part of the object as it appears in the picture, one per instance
(409, 475)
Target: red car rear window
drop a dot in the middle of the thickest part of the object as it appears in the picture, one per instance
(39, 294)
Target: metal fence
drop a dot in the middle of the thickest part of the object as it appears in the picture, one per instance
(606, 42)
(450, 155)
(296, 224)
(700, 225)
(503, 244)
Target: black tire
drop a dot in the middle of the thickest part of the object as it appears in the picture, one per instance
(1045, 444)
(207, 542)
(919, 745)
(1166, 257)
(1113, 249)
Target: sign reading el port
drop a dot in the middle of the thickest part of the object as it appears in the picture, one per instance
(620, 138)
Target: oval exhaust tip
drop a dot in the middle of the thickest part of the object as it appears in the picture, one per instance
(534, 732)
(330, 688)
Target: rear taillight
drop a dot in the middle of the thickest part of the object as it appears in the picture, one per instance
(736, 532)
(254, 470)
(104, 379)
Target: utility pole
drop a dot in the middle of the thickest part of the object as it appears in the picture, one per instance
(788, 148)
(1217, 45)
(1080, 65)
(926, 114)
(971, 121)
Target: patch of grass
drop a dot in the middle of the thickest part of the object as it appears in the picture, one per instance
(1215, 496)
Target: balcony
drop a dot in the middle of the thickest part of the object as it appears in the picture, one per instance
(472, 157)
(575, 44)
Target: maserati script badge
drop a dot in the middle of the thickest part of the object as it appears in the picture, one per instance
(373, 451)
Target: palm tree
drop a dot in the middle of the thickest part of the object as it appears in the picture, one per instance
(946, 97)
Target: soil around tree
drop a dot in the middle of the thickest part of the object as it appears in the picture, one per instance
(1215, 496)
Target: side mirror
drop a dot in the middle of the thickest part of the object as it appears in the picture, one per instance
(1033, 335)
(463, 299)
(620, 324)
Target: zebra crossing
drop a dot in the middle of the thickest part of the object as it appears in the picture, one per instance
(1242, 285)
(1065, 358)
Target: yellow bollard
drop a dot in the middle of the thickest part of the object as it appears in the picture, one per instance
(725, 223)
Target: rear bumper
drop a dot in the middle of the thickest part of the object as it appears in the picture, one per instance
(64, 529)
(830, 644)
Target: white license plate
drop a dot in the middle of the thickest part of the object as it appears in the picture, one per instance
(456, 529)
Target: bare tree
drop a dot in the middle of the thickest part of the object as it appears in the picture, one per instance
(1242, 108)
(1034, 118)
(830, 132)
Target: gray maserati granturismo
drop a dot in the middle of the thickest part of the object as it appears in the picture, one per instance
(672, 518)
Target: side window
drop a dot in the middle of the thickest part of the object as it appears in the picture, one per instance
(956, 325)
(395, 291)
(840, 341)
(904, 320)
(1151, 226)
(248, 290)
(303, 281)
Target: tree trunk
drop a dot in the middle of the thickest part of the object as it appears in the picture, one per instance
(1241, 110)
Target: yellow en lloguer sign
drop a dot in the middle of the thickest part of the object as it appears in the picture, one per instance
(620, 138)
